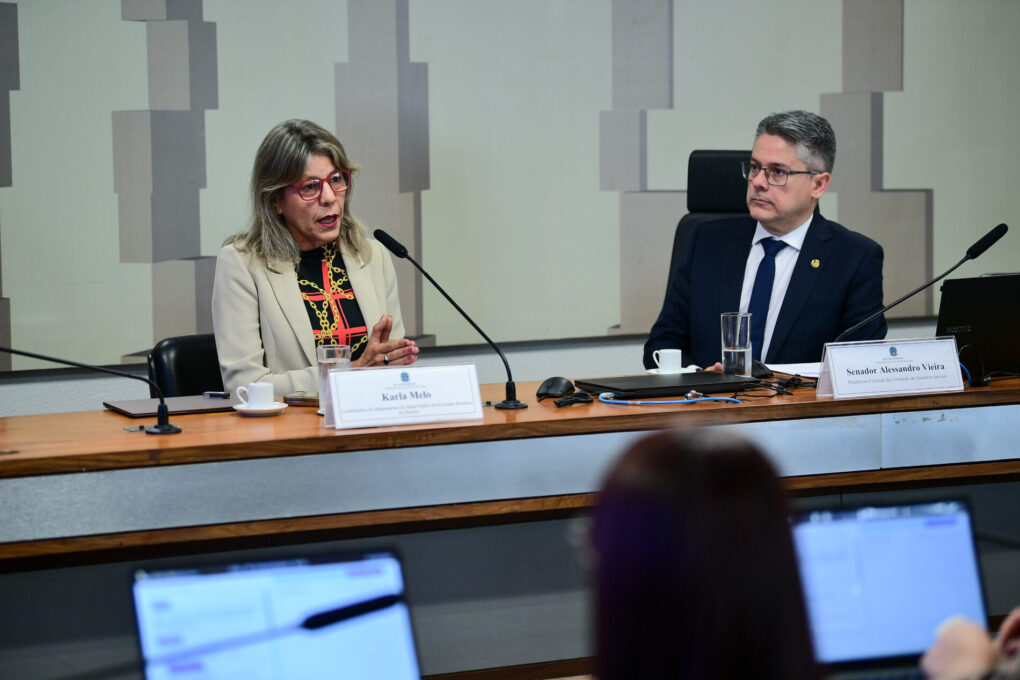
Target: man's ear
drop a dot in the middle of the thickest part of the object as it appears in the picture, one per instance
(819, 183)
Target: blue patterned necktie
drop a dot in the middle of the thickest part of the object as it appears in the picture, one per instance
(761, 293)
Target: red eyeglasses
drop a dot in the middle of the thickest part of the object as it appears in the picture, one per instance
(310, 189)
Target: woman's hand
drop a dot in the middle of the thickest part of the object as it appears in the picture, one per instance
(962, 649)
(381, 351)
(1007, 642)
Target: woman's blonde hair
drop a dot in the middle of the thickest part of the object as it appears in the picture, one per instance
(279, 162)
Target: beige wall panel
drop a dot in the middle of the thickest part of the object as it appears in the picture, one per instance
(872, 45)
(79, 62)
(954, 126)
(647, 222)
(182, 290)
(899, 220)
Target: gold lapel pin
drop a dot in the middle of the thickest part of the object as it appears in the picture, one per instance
(815, 264)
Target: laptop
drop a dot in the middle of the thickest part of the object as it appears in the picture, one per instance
(178, 406)
(879, 580)
(983, 313)
(336, 616)
(664, 385)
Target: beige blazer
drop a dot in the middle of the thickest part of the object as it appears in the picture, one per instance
(261, 324)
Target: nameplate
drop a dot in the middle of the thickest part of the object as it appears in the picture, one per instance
(887, 367)
(371, 397)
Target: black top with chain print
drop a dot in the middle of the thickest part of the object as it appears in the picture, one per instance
(335, 315)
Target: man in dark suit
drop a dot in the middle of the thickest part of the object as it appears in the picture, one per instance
(804, 279)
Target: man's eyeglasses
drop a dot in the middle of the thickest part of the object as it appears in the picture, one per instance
(310, 189)
(775, 176)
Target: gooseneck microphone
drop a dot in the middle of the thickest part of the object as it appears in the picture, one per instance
(982, 244)
(162, 425)
(395, 247)
(311, 623)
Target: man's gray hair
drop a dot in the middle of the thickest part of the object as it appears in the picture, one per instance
(809, 132)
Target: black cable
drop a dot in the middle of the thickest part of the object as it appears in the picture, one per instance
(976, 379)
(795, 381)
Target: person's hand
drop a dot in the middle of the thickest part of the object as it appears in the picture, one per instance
(381, 351)
(715, 368)
(962, 649)
(1007, 642)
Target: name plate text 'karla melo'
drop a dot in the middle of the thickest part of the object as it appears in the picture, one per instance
(405, 395)
(886, 367)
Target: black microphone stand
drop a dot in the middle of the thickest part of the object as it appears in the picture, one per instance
(510, 403)
(983, 244)
(162, 425)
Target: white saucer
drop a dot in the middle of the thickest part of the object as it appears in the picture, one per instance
(245, 410)
(656, 371)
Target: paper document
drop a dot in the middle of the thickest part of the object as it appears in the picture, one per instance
(807, 370)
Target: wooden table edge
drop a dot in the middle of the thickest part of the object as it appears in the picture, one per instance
(150, 453)
(317, 528)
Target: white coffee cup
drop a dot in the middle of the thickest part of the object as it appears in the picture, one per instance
(668, 360)
(256, 395)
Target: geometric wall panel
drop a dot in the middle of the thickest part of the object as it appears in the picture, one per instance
(647, 223)
(900, 220)
(9, 80)
(539, 136)
(385, 129)
(159, 162)
(642, 80)
(181, 291)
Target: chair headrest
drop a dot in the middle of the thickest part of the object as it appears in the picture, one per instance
(714, 182)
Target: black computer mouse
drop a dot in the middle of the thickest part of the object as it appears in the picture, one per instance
(554, 387)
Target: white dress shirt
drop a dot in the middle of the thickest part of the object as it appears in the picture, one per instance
(785, 260)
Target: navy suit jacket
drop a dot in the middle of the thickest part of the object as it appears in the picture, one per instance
(821, 301)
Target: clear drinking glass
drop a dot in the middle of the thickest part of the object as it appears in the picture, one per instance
(736, 343)
(331, 357)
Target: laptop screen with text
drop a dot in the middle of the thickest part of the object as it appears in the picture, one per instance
(879, 580)
(336, 616)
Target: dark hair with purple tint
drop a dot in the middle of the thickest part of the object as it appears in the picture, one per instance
(695, 571)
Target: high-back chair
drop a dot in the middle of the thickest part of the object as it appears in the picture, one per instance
(185, 365)
(716, 190)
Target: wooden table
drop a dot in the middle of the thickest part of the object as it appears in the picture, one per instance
(124, 493)
(480, 509)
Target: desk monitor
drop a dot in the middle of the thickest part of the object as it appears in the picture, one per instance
(879, 580)
(983, 313)
(317, 617)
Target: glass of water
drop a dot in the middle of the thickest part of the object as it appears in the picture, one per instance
(736, 343)
(330, 357)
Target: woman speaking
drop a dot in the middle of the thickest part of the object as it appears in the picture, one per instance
(305, 272)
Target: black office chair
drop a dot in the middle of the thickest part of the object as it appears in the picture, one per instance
(185, 365)
(716, 190)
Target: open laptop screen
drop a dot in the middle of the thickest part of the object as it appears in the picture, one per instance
(983, 314)
(336, 616)
(879, 580)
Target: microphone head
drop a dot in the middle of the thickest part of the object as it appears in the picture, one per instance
(392, 244)
(987, 241)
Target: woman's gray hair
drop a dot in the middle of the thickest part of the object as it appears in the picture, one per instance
(280, 161)
(809, 132)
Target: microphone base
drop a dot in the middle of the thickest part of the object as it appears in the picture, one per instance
(510, 405)
(162, 429)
